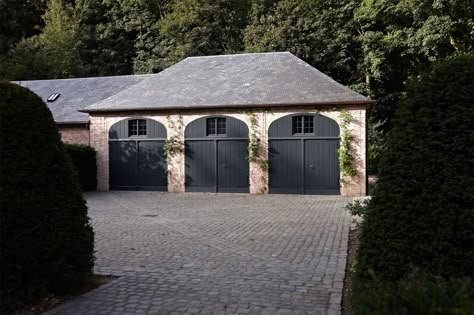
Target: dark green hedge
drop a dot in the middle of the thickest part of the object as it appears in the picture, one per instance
(421, 214)
(416, 294)
(46, 241)
(84, 159)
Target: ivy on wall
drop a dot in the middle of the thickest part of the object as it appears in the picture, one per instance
(174, 145)
(346, 160)
(254, 149)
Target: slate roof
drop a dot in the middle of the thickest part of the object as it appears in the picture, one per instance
(245, 80)
(77, 94)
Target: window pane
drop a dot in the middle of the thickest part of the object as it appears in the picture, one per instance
(132, 128)
(142, 127)
(211, 126)
(308, 124)
(221, 126)
(298, 124)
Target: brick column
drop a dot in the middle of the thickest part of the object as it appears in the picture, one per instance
(259, 176)
(356, 186)
(99, 140)
(176, 167)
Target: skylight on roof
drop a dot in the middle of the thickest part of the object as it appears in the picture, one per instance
(53, 97)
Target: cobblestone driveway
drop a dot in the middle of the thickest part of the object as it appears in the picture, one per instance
(216, 254)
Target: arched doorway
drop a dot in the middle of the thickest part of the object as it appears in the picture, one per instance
(136, 156)
(303, 155)
(216, 155)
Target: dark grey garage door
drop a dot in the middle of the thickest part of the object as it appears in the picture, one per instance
(303, 155)
(136, 155)
(216, 155)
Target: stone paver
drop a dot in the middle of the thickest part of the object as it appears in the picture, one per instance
(216, 254)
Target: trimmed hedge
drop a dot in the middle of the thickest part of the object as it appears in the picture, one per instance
(84, 159)
(46, 241)
(421, 213)
(416, 294)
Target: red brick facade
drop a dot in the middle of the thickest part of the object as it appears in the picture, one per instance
(354, 186)
(78, 134)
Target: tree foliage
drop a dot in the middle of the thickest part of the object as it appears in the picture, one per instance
(374, 46)
(399, 38)
(19, 20)
(202, 27)
(144, 17)
(53, 53)
(421, 214)
(46, 241)
(107, 39)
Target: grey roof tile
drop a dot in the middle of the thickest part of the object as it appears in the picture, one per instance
(233, 80)
(77, 94)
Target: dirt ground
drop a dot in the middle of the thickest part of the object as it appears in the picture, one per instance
(351, 250)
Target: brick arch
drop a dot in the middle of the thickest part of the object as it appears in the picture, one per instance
(155, 129)
(196, 127)
(324, 126)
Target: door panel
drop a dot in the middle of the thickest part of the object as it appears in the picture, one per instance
(200, 164)
(232, 166)
(123, 165)
(321, 167)
(286, 166)
(151, 166)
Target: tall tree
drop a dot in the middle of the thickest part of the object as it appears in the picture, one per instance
(59, 40)
(399, 38)
(19, 19)
(51, 54)
(105, 46)
(201, 27)
(320, 32)
(143, 18)
(119, 37)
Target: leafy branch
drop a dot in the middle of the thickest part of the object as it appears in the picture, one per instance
(174, 145)
(346, 160)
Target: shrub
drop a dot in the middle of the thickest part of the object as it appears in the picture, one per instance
(416, 294)
(46, 241)
(84, 159)
(358, 207)
(375, 147)
(421, 214)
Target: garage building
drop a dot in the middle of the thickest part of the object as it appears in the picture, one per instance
(188, 129)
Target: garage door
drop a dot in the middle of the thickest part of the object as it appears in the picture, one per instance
(216, 155)
(303, 155)
(136, 156)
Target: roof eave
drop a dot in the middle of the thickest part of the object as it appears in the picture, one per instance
(82, 122)
(234, 106)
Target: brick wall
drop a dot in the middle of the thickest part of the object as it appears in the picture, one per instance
(355, 186)
(78, 134)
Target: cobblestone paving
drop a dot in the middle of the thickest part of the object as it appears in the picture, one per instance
(216, 254)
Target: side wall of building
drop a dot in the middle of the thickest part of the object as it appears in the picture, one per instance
(176, 122)
(78, 134)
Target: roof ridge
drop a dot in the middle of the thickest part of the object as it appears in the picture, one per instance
(90, 78)
(241, 55)
(329, 79)
(133, 85)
